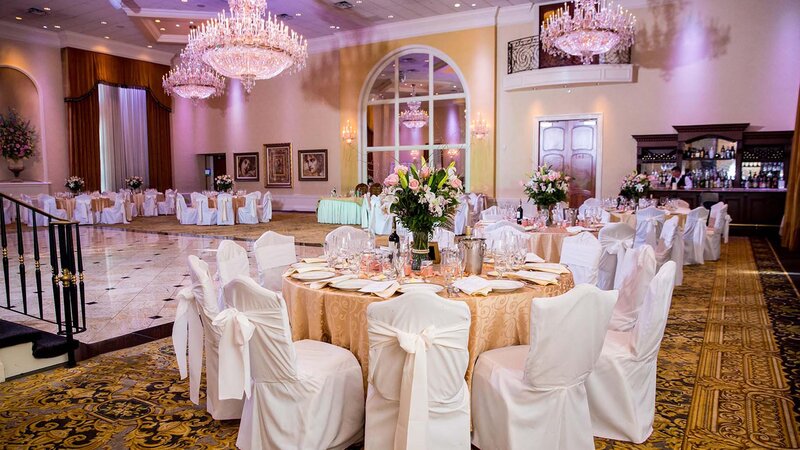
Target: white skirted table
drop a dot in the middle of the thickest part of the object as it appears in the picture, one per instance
(340, 210)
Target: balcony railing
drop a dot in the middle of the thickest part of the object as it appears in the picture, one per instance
(526, 54)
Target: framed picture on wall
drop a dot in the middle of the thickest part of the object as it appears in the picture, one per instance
(312, 165)
(279, 165)
(246, 166)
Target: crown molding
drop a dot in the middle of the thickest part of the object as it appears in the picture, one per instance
(169, 14)
(84, 42)
(24, 33)
(512, 15)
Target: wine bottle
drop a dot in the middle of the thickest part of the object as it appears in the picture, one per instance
(394, 238)
(519, 213)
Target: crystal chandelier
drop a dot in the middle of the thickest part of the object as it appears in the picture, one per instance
(193, 79)
(413, 117)
(249, 43)
(596, 27)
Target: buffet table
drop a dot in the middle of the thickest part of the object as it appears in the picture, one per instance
(340, 210)
(339, 317)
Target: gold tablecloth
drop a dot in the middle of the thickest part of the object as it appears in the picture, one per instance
(138, 200)
(629, 217)
(340, 317)
(547, 243)
(68, 205)
(238, 202)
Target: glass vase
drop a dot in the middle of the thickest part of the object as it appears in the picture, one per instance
(419, 250)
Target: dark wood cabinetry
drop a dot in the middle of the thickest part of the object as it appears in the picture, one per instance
(721, 160)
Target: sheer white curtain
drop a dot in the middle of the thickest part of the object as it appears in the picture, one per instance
(123, 136)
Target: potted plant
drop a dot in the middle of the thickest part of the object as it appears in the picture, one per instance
(422, 199)
(134, 183)
(17, 141)
(635, 186)
(223, 183)
(75, 184)
(547, 187)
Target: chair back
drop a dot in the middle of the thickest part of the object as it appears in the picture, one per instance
(231, 261)
(648, 226)
(491, 214)
(346, 230)
(678, 203)
(503, 224)
(274, 253)
(180, 206)
(581, 253)
(582, 314)
(694, 235)
(668, 233)
(203, 289)
(444, 238)
(225, 208)
(588, 203)
(616, 239)
(718, 214)
(649, 328)
(638, 270)
(361, 189)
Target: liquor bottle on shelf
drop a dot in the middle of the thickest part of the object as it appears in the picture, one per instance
(781, 181)
(519, 213)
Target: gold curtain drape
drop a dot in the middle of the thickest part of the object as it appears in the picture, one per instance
(790, 232)
(83, 71)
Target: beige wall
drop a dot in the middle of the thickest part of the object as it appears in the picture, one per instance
(302, 109)
(697, 62)
(46, 110)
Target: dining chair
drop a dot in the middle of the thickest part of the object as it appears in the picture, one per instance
(694, 236)
(150, 206)
(622, 387)
(581, 253)
(249, 212)
(461, 216)
(274, 253)
(346, 230)
(491, 214)
(533, 396)
(83, 213)
(187, 336)
(418, 397)
(648, 226)
(638, 269)
(231, 262)
(713, 243)
(444, 238)
(615, 239)
(265, 208)
(205, 215)
(379, 222)
(167, 207)
(115, 214)
(670, 248)
(225, 215)
(302, 395)
(185, 214)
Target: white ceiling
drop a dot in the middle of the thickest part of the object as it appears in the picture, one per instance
(135, 23)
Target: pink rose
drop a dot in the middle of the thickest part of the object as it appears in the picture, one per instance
(425, 172)
(553, 176)
(414, 185)
(391, 180)
(455, 183)
(400, 169)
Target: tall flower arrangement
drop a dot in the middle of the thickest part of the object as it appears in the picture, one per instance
(546, 187)
(17, 136)
(422, 199)
(223, 183)
(134, 182)
(635, 186)
(75, 184)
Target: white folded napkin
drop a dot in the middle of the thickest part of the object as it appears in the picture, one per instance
(473, 285)
(383, 289)
(577, 229)
(530, 228)
(322, 283)
(533, 258)
(548, 267)
(306, 269)
(317, 260)
(541, 278)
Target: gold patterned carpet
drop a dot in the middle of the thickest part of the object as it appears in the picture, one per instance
(728, 377)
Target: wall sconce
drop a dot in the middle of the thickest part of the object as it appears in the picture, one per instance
(480, 129)
(348, 133)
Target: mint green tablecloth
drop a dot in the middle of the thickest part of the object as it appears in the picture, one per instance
(342, 211)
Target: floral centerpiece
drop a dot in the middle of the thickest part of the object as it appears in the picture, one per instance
(134, 182)
(635, 186)
(17, 140)
(75, 184)
(422, 199)
(223, 183)
(547, 187)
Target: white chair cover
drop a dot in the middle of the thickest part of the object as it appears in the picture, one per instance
(445, 238)
(167, 207)
(678, 203)
(274, 253)
(504, 234)
(713, 243)
(581, 253)
(48, 204)
(205, 215)
(225, 209)
(354, 233)
(648, 226)
(379, 222)
(533, 396)
(529, 209)
(187, 334)
(694, 236)
(299, 395)
(638, 270)
(249, 212)
(83, 213)
(265, 208)
(365, 211)
(477, 202)
(622, 387)
(588, 203)
(149, 207)
(204, 293)
(115, 214)
(410, 337)
(670, 248)
(232, 262)
(491, 214)
(616, 239)
(185, 215)
(503, 224)
(461, 217)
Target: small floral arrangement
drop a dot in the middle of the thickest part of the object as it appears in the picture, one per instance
(134, 182)
(635, 186)
(546, 187)
(75, 184)
(223, 183)
(17, 136)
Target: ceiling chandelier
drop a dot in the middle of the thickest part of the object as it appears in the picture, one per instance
(193, 79)
(249, 43)
(595, 27)
(413, 117)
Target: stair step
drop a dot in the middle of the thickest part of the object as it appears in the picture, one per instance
(12, 334)
(45, 345)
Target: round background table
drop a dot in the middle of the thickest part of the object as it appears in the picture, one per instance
(340, 317)
(629, 217)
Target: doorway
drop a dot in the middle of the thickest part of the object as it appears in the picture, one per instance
(571, 145)
(213, 164)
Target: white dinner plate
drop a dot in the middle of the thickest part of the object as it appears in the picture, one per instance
(505, 285)
(352, 284)
(313, 276)
(413, 287)
(302, 264)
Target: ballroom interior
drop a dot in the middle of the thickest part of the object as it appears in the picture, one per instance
(405, 224)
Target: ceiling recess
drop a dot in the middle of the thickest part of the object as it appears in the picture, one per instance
(343, 5)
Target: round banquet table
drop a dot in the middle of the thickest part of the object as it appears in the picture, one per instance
(68, 205)
(238, 202)
(340, 210)
(629, 217)
(340, 317)
(547, 243)
(137, 199)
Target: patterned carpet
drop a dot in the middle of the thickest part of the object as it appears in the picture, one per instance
(728, 377)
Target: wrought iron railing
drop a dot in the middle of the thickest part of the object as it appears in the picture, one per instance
(525, 53)
(26, 226)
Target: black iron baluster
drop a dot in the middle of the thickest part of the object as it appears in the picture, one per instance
(66, 287)
(21, 251)
(56, 274)
(81, 292)
(4, 243)
(73, 287)
(37, 269)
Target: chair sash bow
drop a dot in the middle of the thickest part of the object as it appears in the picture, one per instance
(234, 354)
(187, 332)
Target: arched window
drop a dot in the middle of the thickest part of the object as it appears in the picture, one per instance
(417, 78)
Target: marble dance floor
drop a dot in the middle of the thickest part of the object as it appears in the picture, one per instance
(130, 279)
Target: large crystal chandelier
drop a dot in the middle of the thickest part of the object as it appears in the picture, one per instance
(596, 27)
(193, 79)
(249, 44)
(413, 117)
